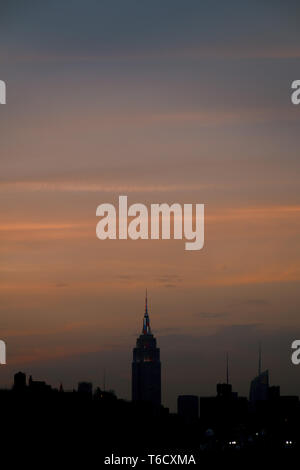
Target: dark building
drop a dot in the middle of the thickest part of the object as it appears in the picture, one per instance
(259, 388)
(226, 409)
(188, 407)
(274, 393)
(224, 390)
(85, 387)
(19, 381)
(38, 386)
(146, 368)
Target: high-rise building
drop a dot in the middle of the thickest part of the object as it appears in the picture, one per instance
(19, 381)
(146, 367)
(259, 387)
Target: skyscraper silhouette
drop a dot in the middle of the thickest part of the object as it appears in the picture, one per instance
(146, 367)
(259, 386)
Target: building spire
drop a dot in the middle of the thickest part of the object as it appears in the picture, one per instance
(146, 323)
(259, 359)
(104, 379)
(146, 303)
(227, 369)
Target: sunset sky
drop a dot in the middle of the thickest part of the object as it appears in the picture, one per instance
(163, 101)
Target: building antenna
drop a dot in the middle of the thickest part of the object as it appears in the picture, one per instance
(146, 322)
(259, 359)
(227, 369)
(104, 380)
(146, 302)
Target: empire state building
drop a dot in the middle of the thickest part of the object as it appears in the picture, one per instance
(146, 368)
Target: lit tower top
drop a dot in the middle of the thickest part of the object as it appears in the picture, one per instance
(146, 322)
(146, 367)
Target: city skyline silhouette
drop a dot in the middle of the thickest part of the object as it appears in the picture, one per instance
(206, 425)
(203, 386)
(146, 354)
